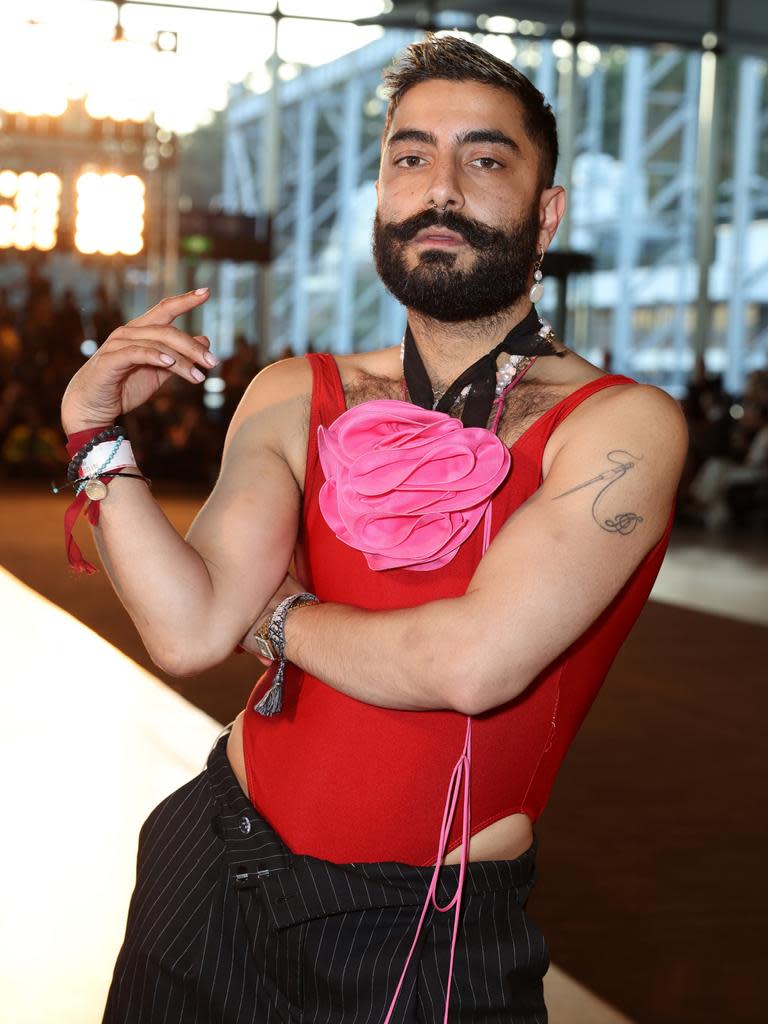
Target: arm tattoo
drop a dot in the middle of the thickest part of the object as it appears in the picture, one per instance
(624, 522)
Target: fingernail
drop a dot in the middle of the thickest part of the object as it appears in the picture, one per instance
(198, 375)
(210, 359)
(201, 291)
(168, 360)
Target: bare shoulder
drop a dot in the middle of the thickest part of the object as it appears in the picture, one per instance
(649, 413)
(646, 413)
(274, 413)
(285, 380)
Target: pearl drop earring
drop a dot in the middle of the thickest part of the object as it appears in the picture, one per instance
(537, 288)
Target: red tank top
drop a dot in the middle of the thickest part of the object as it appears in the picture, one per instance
(346, 781)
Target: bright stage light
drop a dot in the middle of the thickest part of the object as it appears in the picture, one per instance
(30, 57)
(7, 227)
(167, 42)
(31, 219)
(9, 183)
(110, 214)
(122, 83)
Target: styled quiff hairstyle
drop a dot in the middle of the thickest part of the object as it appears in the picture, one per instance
(458, 60)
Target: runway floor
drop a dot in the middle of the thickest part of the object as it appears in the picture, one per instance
(652, 848)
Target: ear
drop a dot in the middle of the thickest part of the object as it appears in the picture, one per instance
(551, 212)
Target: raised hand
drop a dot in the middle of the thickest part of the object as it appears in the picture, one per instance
(134, 362)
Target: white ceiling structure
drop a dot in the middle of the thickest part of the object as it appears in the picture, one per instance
(739, 25)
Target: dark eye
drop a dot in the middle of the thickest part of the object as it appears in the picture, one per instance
(409, 161)
(486, 162)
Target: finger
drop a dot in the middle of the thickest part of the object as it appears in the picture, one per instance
(166, 311)
(170, 357)
(127, 357)
(170, 338)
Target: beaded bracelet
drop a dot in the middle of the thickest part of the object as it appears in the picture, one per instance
(90, 483)
(108, 434)
(85, 482)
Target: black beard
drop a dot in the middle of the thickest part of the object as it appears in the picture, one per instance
(496, 281)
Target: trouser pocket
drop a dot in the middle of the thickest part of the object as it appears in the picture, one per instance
(352, 962)
(501, 959)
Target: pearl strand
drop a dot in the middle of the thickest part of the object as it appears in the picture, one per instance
(504, 373)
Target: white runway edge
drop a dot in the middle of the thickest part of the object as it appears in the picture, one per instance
(90, 744)
(719, 575)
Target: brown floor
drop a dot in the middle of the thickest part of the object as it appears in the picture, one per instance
(652, 848)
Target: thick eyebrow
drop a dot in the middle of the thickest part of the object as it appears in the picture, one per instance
(412, 135)
(490, 135)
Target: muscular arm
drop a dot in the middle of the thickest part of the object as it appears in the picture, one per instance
(551, 570)
(191, 599)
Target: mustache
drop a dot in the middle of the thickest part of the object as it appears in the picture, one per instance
(479, 236)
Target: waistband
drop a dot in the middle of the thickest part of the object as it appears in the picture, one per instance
(289, 882)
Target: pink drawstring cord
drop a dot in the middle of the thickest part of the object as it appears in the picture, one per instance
(461, 772)
(461, 769)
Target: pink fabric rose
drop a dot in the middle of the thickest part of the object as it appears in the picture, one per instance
(406, 485)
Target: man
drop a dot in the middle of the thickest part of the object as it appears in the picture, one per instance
(289, 878)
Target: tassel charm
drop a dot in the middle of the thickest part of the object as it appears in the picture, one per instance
(271, 703)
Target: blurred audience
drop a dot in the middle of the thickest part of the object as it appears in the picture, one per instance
(726, 480)
(176, 436)
(179, 434)
(107, 316)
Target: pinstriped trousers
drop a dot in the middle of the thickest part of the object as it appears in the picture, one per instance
(227, 926)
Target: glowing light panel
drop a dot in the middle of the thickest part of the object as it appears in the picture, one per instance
(110, 214)
(29, 210)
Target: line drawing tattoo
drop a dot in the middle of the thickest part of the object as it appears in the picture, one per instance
(624, 522)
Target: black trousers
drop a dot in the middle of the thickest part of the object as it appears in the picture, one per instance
(227, 926)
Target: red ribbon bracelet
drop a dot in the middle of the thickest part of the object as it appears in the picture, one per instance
(75, 556)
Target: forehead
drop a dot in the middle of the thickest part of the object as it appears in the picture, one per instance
(448, 108)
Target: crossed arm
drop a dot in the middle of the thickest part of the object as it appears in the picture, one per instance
(550, 571)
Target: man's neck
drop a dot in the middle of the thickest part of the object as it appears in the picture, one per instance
(448, 349)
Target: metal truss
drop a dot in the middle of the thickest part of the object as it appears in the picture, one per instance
(323, 291)
(640, 301)
(746, 339)
(642, 297)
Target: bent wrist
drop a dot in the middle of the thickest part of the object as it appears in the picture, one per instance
(81, 435)
(78, 424)
(293, 631)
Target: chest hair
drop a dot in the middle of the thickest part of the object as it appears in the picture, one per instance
(527, 401)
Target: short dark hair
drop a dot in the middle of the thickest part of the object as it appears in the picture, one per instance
(458, 60)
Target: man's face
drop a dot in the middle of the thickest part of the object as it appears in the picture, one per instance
(461, 148)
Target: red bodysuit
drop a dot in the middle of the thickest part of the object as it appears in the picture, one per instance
(339, 779)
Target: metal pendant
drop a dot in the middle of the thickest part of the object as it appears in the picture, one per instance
(96, 490)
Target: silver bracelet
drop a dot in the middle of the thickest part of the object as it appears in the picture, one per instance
(272, 701)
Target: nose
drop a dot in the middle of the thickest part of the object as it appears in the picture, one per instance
(443, 189)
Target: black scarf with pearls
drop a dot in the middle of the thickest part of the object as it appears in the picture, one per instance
(525, 339)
